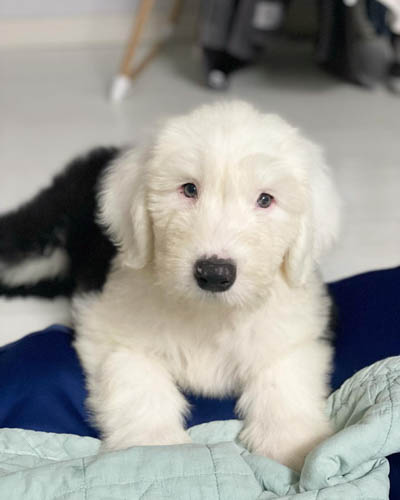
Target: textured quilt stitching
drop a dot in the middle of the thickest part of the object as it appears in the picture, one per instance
(347, 403)
(34, 449)
(344, 402)
(318, 492)
(215, 471)
(35, 455)
(146, 490)
(143, 480)
(391, 418)
(84, 478)
(390, 374)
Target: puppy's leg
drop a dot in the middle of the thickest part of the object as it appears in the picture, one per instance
(135, 402)
(283, 405)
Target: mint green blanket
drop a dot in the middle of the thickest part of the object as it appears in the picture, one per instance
(351, 465)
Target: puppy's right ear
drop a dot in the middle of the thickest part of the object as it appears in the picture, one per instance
(319, 225)
(123, 208)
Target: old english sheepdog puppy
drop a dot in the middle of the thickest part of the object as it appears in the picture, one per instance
(219, 224)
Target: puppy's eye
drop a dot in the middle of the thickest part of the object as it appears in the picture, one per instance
(189, 190)
(265, 200)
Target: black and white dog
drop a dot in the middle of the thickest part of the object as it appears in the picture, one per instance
(53, 245)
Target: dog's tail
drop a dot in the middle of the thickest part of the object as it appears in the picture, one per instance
(52, 245)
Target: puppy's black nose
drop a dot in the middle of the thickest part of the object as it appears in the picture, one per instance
(215, 275)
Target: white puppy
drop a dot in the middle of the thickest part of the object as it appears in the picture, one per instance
(220, 224)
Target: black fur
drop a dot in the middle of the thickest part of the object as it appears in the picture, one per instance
(62, 216)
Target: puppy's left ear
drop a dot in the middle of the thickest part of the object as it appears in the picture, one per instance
(123, 208)
(319, 225)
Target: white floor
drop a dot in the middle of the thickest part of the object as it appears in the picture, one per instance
(53, 104)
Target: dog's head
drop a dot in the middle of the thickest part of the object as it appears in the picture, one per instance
(224, 200)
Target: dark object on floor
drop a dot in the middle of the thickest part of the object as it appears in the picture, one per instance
(394, 77)
(61, 218)
(232, 34)
(351, 41)
(42, 384)
(394, 68)
(350, 44)
(219, 65)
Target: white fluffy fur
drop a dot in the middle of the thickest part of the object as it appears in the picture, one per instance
(153, 331)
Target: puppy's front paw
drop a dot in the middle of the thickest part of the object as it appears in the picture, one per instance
(161, 437)
(288, 444)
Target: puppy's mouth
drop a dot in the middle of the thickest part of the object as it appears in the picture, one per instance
(214, 274)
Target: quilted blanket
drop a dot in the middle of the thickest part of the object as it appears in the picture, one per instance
(352, 464)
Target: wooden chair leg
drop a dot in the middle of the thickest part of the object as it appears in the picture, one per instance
(175, 11)
(127, 72)
(122, 81)
(173, 18)
(144, 10)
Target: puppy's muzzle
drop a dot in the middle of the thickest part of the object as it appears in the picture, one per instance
(215, 275)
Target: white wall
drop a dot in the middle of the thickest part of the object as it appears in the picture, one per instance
(51, 23)
(59, 8)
